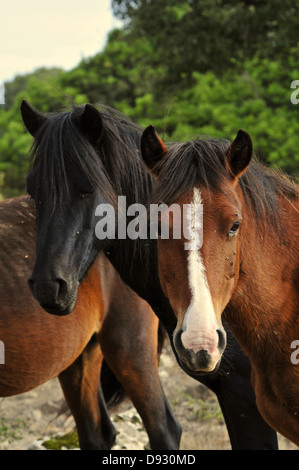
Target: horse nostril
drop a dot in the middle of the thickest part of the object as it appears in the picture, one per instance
(62, 287)
(177, 341)
(47, 290)
(222, 339)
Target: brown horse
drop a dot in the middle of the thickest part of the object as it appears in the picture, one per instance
(109, 319)
(241, 264)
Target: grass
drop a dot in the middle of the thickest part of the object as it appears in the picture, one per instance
(11, 430)
(208, 411)
(68, 441)
(201, 410)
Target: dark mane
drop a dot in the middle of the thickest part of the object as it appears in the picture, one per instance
(202, 162)
(114, 168)
(121, 156)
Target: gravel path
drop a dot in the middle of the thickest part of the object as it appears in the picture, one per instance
(27, 420)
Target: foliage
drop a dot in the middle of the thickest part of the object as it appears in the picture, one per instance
(122, 72)
(256, 100)
(188, 67)
(43, 90)
(67, 441)
(201, 35)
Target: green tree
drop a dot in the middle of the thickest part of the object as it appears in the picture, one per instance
(188, 67)
(43, 90)
(121, 72)
(256, 100)
(201, 35)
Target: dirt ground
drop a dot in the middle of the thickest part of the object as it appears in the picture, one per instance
(28, 420)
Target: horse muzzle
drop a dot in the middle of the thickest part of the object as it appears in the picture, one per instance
(57, 297)
(201, 359)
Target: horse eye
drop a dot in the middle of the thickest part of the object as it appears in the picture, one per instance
(234, 228)
(83, 195)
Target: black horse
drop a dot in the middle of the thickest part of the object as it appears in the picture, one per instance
(84, 158)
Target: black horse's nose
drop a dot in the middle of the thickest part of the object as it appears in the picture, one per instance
(44, 290)
(52, 295)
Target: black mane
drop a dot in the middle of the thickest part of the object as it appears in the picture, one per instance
(114, 167)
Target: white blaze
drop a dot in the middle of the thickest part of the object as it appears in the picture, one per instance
(200, 323)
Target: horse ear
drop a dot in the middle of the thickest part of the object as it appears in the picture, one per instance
(90, 123)
(152, 148)
(238, 154)
(31, 118)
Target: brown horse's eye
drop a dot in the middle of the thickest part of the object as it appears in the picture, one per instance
(234, 229)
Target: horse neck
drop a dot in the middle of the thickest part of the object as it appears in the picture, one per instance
(264, 306)
(135, 260)
(142, 277)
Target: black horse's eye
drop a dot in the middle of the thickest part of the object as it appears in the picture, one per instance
(234, 229)
(85, 194)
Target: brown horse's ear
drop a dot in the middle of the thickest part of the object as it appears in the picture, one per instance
(238, 154)
(31, 118)
(152, 148)
(90, 123)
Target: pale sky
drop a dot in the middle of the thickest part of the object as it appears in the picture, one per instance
(36, 33)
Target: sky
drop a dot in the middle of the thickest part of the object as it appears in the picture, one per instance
(37, 33)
